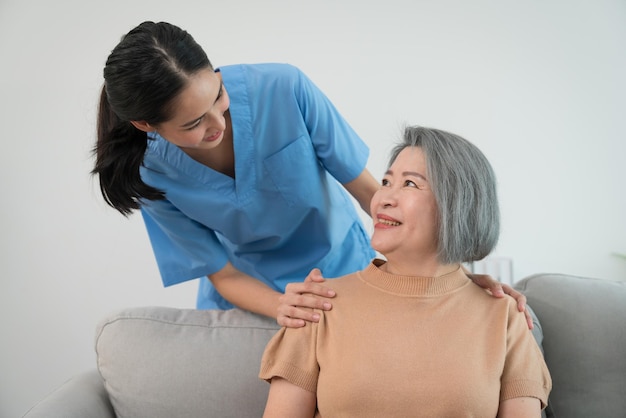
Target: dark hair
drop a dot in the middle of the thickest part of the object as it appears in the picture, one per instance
(143, 76)
(464, 186)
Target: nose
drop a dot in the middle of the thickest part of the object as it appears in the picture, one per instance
(216, 120)
(387, 197)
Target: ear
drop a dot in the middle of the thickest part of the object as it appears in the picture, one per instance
(142, 125)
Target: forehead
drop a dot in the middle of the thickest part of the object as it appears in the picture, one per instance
(410, 157)
(198, 95)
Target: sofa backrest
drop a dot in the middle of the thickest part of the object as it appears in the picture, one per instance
(163, 362)
(584, 342)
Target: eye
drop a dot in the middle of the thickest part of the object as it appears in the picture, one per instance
(194, 126)
(410, 183)
(385, 182)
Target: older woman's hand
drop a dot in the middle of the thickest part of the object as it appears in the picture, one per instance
(299, 299)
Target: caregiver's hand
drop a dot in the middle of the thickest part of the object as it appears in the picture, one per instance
(498, 290)
(296, 303)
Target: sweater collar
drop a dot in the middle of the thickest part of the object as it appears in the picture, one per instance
(412, 285)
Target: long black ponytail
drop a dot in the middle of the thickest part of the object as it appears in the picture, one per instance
(143, 75)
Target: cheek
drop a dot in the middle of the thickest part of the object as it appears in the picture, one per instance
(192, 138)
(374, 203)
(426, 214)
(225, 103)
(432, 219)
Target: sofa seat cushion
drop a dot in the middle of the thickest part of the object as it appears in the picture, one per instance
(584, 342)
(167, 362)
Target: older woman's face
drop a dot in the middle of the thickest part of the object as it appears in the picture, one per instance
(404, 210)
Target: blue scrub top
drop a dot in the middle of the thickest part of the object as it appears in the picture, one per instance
(284, 213)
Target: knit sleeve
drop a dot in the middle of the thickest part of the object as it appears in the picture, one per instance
(525, 372)
(291, 354)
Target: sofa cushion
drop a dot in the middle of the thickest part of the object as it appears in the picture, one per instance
(167, 362)
(584, 340)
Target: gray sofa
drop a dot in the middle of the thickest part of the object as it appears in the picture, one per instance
(164, 362)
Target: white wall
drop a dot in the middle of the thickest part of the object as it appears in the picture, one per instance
(538, 85)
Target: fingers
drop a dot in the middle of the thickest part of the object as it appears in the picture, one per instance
(496, 289)
(291, 304)
(297, 305)
(529, 319)
(298, 289)
(521, 303)
(519, 297)
(285, 321)
(486, 282)
(314, 276)
(294, 316)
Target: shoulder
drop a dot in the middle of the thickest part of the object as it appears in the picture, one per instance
(264, 70)
(270, 81)
(350, 284)
(159, 155)
(481, 297)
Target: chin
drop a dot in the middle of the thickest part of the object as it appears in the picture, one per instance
(378, 246)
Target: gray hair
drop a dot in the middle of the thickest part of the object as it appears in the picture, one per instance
(464, 186)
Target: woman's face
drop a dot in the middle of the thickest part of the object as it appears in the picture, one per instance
(198, 118)
(404, 210)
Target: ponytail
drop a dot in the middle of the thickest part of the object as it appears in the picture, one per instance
(119, 154)
(143, 76)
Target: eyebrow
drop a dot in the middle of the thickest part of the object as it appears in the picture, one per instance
(409, 173)
(193, 122)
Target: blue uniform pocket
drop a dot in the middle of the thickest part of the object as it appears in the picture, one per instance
(296, 173)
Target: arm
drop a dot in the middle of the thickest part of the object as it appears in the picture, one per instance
(520, 408)
(362, 189)
(246, 292)
(249, 293)
(310, 294)
(288, 400)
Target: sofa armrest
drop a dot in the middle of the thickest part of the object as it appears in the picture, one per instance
(83, 396)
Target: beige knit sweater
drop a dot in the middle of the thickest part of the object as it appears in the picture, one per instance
(400, 346)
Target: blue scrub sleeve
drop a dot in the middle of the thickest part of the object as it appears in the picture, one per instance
(184, 249)
(338, 147)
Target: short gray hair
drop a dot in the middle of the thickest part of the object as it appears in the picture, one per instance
(464, 186)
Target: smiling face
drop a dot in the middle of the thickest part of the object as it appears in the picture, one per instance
(404, 211)
(198, 121)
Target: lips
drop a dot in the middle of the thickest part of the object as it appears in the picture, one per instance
(213, 137)
(385, 220)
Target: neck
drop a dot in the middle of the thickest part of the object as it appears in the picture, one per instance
(220, 158)
(421, 268)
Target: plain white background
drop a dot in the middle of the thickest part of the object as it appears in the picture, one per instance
(539, 86)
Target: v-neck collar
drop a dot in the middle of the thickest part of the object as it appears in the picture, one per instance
(244, 185)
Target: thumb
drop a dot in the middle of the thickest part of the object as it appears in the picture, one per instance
(315, 276)
(496, 289)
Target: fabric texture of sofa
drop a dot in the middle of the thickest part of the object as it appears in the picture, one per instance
(164, 362)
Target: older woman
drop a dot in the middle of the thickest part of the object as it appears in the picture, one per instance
(412, 336)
